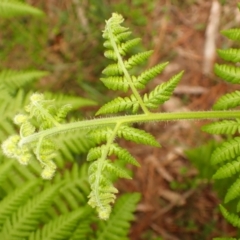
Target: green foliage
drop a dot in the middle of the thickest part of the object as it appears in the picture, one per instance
(10, 8)
(56, 208)
(44, 119)
(226, 157)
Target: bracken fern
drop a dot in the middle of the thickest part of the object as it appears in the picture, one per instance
(227, 155)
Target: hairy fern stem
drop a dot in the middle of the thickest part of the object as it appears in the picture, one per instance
(128, 119)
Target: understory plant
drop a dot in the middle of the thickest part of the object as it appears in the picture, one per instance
(31, 208)
(45, 140)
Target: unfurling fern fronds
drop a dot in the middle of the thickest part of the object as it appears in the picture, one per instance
(227, 155)
(44, 120)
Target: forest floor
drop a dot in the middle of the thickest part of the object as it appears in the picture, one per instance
(176, 203)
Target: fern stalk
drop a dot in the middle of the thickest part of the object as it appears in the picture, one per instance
(150, 117)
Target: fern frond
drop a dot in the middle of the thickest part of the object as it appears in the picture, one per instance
(62, 227)
(13, 80)
(223, 127)
(137, 59)
(121, 154)
(232, 54)
(162, 92)
(71, 144)
(120, 104)
(149, 74)
(228, 73)
(113, 70)
(25, 220)
(15, 199)
(230, 217)
(233, 191)
(83, 230)
(233, 34)
(227, 101)
(137, 135)
(10, 8)
(228, 170)
(116, 83)
(226, 151)
(118, 225)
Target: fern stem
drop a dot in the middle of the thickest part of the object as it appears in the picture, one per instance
(94, 123)
(126, 73)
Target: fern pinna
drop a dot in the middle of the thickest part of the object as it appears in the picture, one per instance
(227, 155)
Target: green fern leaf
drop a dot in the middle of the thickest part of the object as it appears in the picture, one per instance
(149, 74)
(62, 227)
(223, 127)
(117, 170)
(228, 73)
(232, 54)
(113, 70)
(118, 225)
(84, 229)
(26, 219)
(137, 59)
(228, 170)
(10, 8)
(100, 135)
(227, 101)
(15, 199)
(116, 83)
(13, 80)
(226, 151)
(162, 92)
(121, 153)
(231, 218)
(233, 192)
(71, 144)
(120, 104)
(137, 135)
(126, 46)
(233, 34)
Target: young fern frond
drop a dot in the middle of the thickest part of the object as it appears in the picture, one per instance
(9, 8)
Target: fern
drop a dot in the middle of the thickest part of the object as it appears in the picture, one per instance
(62, 227)
(229, 150)
(116, 228)
(28, 215)
(43, 123)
